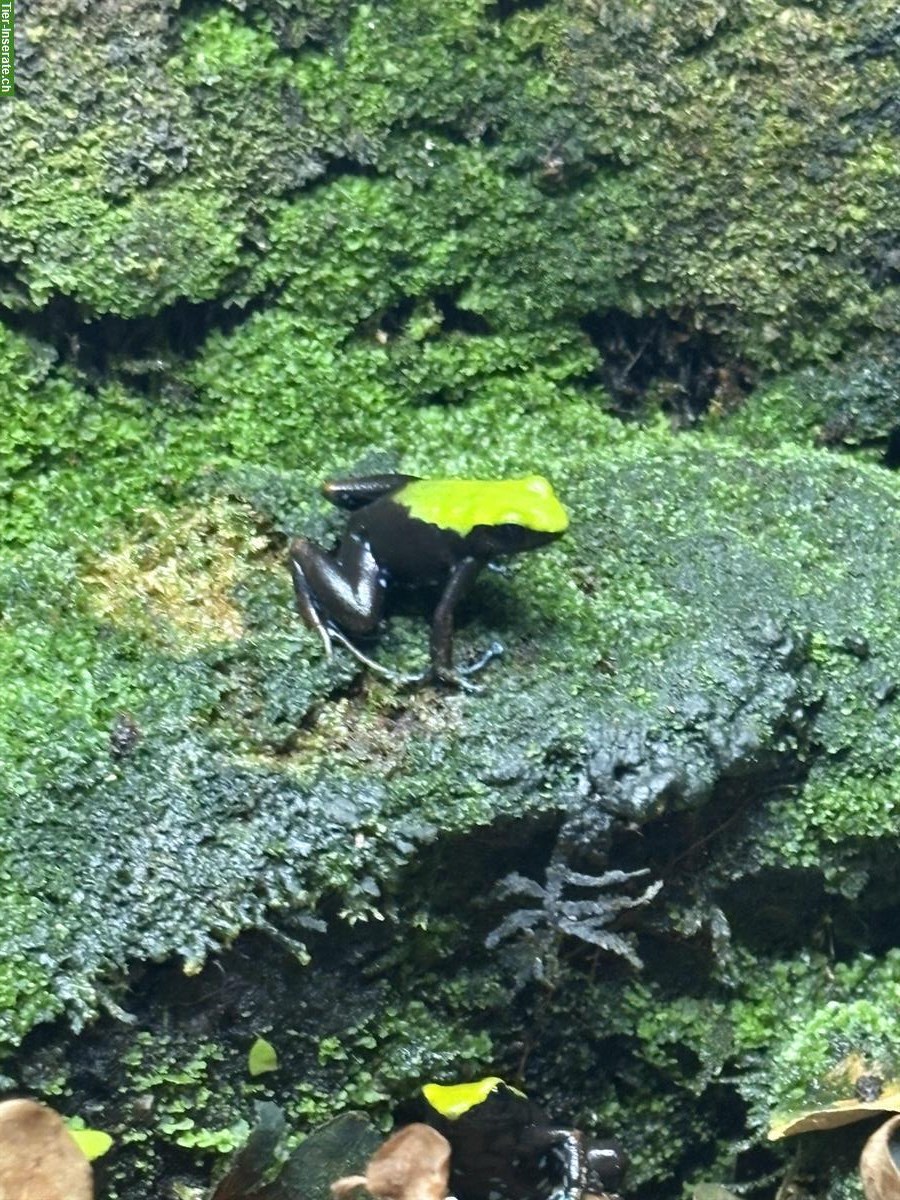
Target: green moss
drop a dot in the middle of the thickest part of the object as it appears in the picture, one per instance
(763, 199)
(27, 993)
(186, 1096)
(642, 160)
(381, 1061)
(640, 564)
(178, 1088)
(851, 404)
(818, 1031)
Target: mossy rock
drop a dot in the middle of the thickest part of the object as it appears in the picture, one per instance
(690, 631)
(252, 245)
(851, 405)
(731, 169)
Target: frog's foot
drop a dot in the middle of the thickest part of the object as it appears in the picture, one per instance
(456, 680)
(459, 678)
(494, 650)
(386, 672)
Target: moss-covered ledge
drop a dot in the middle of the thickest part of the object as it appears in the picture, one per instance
(707, 646)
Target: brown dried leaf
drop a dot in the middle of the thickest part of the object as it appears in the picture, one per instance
(831, 1116)
(38, 1156)
(413, 1164)
(879, 1165)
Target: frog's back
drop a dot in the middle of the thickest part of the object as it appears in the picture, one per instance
(418, 531)
(461, 505)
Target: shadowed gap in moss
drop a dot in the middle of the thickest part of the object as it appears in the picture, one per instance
(658, 361)
(143, 352)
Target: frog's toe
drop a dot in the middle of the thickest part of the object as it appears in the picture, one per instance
(494, 650)
(458, 680)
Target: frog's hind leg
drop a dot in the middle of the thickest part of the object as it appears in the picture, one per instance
(339, 591)
(356, 492)
(303, 597)
(342, 589)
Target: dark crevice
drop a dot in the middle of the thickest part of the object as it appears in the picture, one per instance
(892, 453)
(386, 324)
(661, 362)
(343, 166)
(834, 924)
(769, 908)
(485, 129)
(144, 351)
(459, 320)
(347, 162)
(887, 444)
(457, 868)
(681, 843)
(389, 324)
(776, 910)
(196, 10)
(709, 843)
(504, 9)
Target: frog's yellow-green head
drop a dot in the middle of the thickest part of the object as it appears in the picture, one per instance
(461, 504)
(451, 1100)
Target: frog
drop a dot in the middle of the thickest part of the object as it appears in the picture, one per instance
(504, 1146)
(411, 531)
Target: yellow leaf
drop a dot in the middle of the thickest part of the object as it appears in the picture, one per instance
(93, 1143)
(262, 1057)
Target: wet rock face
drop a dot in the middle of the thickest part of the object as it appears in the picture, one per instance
(761, 692)
(725, 666)
(679, 662)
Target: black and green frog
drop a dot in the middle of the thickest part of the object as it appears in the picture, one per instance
(410, 531)
(503, 1146)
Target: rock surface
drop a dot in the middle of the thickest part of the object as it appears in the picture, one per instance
(38, 1158)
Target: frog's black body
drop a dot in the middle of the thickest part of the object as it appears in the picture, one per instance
(386, 543)
(413, 552)
(507, 1148)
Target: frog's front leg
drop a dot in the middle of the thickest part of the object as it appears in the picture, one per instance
(461, 579)
(569, 1145)
(343, 589)
(572, 1150)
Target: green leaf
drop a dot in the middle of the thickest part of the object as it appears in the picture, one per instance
(262, 1057)
(93, 1143)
